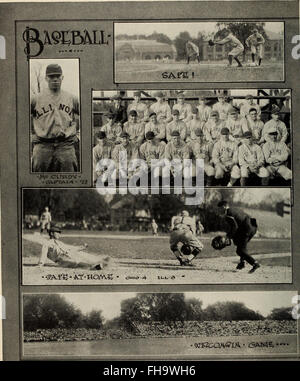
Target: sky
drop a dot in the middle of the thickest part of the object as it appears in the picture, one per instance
(172, 29)
(110, 303)
(70, 69)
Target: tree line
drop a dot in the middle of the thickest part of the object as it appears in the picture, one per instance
(46, 311)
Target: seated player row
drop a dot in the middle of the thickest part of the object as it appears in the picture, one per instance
(236, 158)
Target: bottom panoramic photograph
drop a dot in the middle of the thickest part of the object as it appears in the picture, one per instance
(192, 324)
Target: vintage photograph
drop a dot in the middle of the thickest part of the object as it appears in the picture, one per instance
(79, 236)
(130, 324)
(54, 115)
(220, 51)
(146, 137)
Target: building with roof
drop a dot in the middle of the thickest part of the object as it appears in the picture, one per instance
(138, 50)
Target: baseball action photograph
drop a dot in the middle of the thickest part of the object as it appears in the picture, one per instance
(193, 324)
(221, 51)
(78, 236)
(146, 137)
(54, 115)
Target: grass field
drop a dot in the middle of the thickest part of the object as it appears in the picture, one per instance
(205, 72)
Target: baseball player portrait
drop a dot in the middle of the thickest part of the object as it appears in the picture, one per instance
(241, 229)
(256, 43)
(69, 256)
(55, 126)
(183, 241)
(237, 49)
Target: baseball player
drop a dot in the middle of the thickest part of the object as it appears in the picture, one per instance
(55, 121)
(212, 129)
(253, 124)
(158, 128)
(184, 232)
(140, 107)
(276, 154)
(112, 131)
(222, 107)
(278, 125)
(176, 149)
(161, 108)
(256, 43)
(176, 125)
(201, 150)
(154, 227)
(251, 160)
(238, 47)
(225, 158)
(118, 110)
(185, 109)
(123, 154)
(203, 110)
(248, 105)
(153, 149)
(69, 256)
(234, 123)
(135, 129)
(241, 229)
(45, 220)
(192, 51)
(192, 125)
(102, 151)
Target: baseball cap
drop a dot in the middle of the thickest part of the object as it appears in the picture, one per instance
(180, 96)
(198, 132)
(116, 97)
(249, 96)
(201, 98)
(152, 113)
(150, 135)
(101, 135)
(175, 112)
(133, 113)
(53, 69)
(224, 131)
(255, 30)
(194, 110)
(252, 109)
(273, 131)
(158, 94)
(124, 135)
(247, 134)
(214, 113)
(175, 133)
(137, 94)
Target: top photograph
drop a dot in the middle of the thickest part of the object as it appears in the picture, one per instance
(206, 51)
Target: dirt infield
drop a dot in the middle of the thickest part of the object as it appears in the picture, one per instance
(194, 72)
(158, 268)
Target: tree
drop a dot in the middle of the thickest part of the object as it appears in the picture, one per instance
(241, 30)
(94, 319)
(180, 42)
(282, 313)
(227, 311)
(194, 309)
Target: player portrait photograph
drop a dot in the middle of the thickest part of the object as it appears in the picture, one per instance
(54, 115)
(219, 51)
(82, 237)
(159, 325)
(227, 137)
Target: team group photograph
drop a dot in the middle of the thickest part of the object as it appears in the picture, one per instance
(243, 136)
(78, 236)
(208, 51)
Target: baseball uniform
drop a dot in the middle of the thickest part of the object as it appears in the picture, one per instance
(159, 129)
(256, 42)
(279, 126)
(225, 153)
(162, 111)
(251, 160)
(176, 126)
(136, 132)
(276, 155)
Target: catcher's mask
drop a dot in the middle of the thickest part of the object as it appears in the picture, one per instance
(186, 249)
(219, 242)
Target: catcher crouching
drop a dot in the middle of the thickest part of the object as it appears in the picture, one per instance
(242, 229)
(183, 232)
(69, 256)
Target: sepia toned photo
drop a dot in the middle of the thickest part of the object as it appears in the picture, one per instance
(220, 51)
(78, 236)
(157, 138)
(54, 115)
(160, 325)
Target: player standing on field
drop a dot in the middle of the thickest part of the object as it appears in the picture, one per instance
(45, 220)
(55, 121)
(256, 43)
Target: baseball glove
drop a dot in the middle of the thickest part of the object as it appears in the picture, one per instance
(211, 43)
(186, 249)
(219, 242)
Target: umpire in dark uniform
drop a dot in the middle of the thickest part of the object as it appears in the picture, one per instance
(241, 230)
